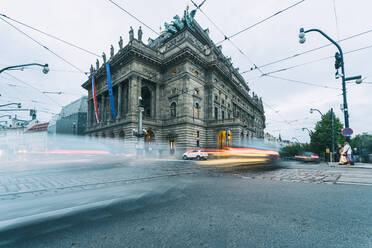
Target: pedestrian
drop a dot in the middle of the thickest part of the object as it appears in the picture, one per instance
(347, 151)
(343, 159)
(339, 151)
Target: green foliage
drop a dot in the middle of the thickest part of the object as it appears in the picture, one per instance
(295, 149)
(321, 138)
(363, 143)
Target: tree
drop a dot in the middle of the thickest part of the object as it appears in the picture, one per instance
(321, 138)
(363, 145)
(295, 149)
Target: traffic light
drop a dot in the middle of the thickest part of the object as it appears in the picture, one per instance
(338, 61)
(33, 113)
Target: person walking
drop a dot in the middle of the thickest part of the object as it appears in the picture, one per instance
(342, 160)
(339, 151)
(347, 151)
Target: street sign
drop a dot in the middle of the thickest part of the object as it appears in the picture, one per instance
(347, 132)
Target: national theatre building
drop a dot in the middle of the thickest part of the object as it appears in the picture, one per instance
(192, 96)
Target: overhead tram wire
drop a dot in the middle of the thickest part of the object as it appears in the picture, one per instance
(133, 16)
(223, 34)
(310, 62)
(220, 30)
(137, 19)
(277, 112)
(29, 85)
(55, 54)
(259, 22)
(336, 20)
(305, 83)
(308, 51)
(50, 35)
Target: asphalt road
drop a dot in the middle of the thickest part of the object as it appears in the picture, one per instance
(218, 210)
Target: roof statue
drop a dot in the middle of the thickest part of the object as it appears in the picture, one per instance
(112, 51)
(104, 57)
(131, 34)
(97, 64)
(178, 24)
(170, 28)
(121, 43)
(140, 34)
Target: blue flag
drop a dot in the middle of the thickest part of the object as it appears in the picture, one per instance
(111, 94)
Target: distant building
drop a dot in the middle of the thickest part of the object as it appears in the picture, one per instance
(72, 119)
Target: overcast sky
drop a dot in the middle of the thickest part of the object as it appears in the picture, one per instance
(95, 25)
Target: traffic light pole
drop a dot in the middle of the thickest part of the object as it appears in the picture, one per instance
(346, 111)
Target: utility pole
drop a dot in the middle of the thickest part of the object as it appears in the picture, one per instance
(140, 133)
(333, 134)
(339, 63)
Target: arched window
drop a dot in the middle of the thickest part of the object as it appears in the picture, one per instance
(173, 110)
(196, 110)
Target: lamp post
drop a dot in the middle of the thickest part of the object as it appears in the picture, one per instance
(140, 133)
(19, 105)
(332, 127)
(45, 67)
(339, 63)
(9, 116)
(305, 128)
(294, 138)
(312, 111)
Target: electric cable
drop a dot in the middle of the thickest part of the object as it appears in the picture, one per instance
(58, 56)
(308, 51)
(259, 22)
(51, 36)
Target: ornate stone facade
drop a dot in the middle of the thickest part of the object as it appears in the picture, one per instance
(192, 95)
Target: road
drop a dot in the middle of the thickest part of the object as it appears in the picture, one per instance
(161, 203)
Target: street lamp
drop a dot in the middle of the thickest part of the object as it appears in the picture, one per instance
(312, 111)
(305, 128)
(294, 138)
(339, 63)
(9, 116)
(19, 105)
(45, 67)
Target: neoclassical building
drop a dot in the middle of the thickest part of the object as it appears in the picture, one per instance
(192, 95)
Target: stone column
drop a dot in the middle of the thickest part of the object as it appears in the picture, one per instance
(120, 104)
(133, 95)
(90, 113)
(103, 109)
(109, 111)
(157, 102)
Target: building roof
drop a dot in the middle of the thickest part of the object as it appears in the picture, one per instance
(39, 127)
(78, 106)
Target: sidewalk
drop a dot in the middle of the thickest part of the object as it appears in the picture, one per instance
(356, 165)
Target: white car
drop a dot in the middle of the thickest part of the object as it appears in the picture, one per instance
(195, 154)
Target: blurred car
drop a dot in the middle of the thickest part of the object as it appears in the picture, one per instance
(195, 154)
(308, 157)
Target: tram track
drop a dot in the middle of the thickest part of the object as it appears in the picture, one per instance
(94, 185)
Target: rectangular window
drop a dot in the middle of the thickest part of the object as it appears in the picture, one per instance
(197, 143)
